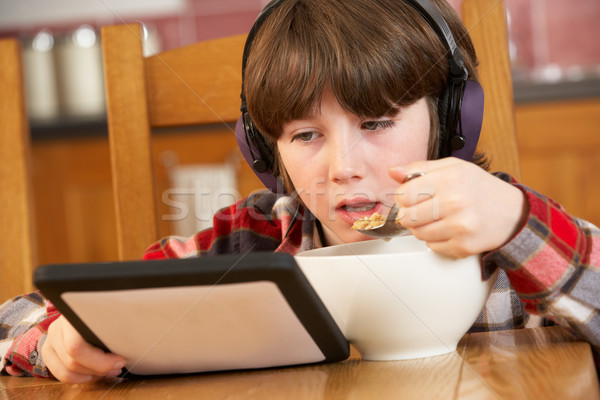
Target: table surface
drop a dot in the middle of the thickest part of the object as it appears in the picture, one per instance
(538, 363)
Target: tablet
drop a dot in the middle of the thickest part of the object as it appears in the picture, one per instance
(192, 315)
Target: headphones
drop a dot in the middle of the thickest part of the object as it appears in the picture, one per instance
(460, 106)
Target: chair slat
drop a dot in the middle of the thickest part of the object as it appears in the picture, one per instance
(129, 136)
(17, 232)
(202, 83)
(486, 23)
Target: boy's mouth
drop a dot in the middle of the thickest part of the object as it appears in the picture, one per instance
(359, 207)
(350, 212)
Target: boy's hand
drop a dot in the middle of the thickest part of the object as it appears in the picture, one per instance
(71, 359)
(458, 208)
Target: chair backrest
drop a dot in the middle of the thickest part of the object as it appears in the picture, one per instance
(193, 85)
(200, 84)
(487, 25)
(17, 238)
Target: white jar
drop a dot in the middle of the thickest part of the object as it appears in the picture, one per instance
(80, 76)
(40, 76)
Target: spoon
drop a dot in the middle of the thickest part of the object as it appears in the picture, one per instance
(388, 228)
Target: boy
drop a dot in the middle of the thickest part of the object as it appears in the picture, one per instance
(348, 97)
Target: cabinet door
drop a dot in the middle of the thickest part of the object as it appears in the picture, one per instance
(559, 146)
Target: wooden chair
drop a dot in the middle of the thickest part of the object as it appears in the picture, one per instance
(200, 84)
(486, 22)
(194, 85)
(17, 243)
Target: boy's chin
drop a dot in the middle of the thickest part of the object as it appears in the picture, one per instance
(353, 237)
(344, 235)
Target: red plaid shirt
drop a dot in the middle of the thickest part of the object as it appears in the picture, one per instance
(549, 272)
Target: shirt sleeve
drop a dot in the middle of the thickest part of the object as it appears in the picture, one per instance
(24, 322)
(249, 225)
(553, 264)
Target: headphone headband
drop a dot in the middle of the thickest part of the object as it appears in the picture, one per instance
(437, 22)
(260, 20)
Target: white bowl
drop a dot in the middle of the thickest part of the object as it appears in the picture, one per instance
(397, 300)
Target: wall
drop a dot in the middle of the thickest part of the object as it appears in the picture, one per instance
(546, 43)
(555, 39)
(177, 22)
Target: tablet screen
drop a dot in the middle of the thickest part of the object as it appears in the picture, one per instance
(167, 328)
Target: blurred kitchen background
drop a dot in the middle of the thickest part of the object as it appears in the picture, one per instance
(555, 52)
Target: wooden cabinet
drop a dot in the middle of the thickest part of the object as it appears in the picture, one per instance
(73, 194)
(559, 147)
(73, 199)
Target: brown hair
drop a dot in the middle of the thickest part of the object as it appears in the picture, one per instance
(375, 56)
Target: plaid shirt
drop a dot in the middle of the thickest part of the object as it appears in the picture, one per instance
(548, 273)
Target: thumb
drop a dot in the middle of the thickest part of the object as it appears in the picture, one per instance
(403, 174)
(399, 174)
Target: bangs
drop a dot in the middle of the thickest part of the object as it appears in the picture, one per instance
(373, 66)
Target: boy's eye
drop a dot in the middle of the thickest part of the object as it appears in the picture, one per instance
(304, 136)
(375, 125)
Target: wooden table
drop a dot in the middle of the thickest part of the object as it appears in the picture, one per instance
(540, 363)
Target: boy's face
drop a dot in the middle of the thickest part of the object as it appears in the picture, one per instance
(339, 163)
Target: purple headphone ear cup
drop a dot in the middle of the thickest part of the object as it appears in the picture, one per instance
(471, 113)
(249, 149)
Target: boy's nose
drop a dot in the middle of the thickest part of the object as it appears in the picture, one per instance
(345, 161)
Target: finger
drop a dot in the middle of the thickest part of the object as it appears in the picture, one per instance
(424, 211)
(404, 174)
(61, 354)
(90, 359)
(432, 165)
(82, 357)
(82, 365)
(449, 248)
(441, 247)
(401, 172)
(432, 232)
(416, 192)
(60, 370)
(449, 240)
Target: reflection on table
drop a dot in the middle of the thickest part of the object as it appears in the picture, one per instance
(539, 363)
